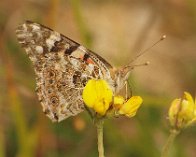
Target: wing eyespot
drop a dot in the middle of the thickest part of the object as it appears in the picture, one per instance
(54, 100)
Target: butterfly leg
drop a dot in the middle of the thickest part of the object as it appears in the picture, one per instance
(126, 90)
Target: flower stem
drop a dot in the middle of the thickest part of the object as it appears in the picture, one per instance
(99, 125)
(170, 140)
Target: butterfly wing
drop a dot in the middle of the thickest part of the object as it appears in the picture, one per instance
(62, 69)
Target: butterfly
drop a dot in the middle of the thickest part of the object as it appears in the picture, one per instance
(62, 68)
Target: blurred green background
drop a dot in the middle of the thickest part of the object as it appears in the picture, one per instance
(116, 30)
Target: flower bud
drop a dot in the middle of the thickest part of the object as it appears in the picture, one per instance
(182, 111)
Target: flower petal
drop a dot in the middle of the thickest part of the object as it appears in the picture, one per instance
(131, 106)
(118, 101)
(89, 94)
(188, 97)
(97, 95)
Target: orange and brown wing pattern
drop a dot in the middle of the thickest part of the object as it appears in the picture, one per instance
(62, 69)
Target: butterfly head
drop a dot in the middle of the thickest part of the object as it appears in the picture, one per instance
(122, 74)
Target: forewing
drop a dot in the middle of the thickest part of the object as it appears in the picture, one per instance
(62, 69)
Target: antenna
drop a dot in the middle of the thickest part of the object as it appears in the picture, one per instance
(136, 65)
(146, 50)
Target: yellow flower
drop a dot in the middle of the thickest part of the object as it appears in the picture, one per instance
(118, 102)
(97, 95)
(182, 111)
(130, 107)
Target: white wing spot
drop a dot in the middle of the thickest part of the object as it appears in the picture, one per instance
(82, 48)
(39, 49)
(35, 27)
(33, 59)
(90, 68)
(28, 50)
(75, 63)
(51, 40)
(77, 53)
(24, 27)
(55, 36)
(50, 43)
(24, 35)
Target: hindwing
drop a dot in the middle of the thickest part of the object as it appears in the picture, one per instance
(62, 68)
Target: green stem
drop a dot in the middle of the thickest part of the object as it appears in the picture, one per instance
(99, 125)
(89, 111)
(170, 140)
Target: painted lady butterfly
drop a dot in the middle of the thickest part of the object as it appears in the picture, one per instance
(62, 69)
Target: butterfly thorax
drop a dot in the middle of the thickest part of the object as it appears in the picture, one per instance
(120, 77)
